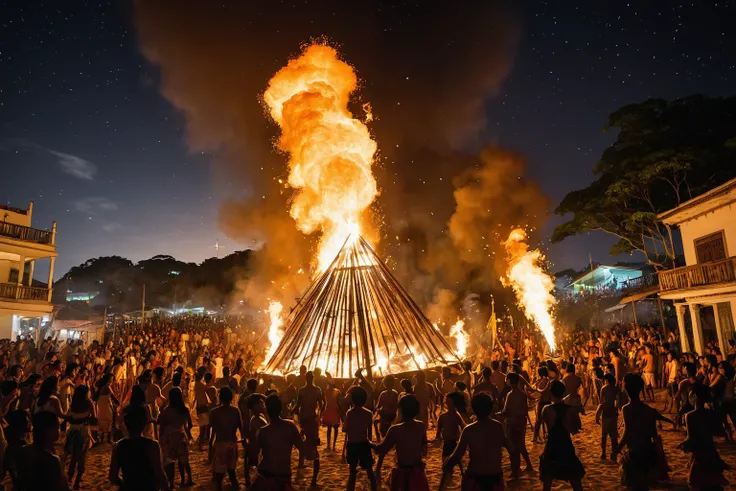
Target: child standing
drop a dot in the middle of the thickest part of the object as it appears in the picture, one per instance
(275, 441)
(256, 406)
(358, 431)
(450, 424)
(485, 438)
(410, 439)
(388, 404)
(516, 412)
(608, 411)
(331, 414)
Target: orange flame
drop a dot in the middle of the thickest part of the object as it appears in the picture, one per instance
(275, 333)
(457, 331)
(531, 284)
(330, 152)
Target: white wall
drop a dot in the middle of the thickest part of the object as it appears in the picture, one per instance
(719, 219)
(6, 325)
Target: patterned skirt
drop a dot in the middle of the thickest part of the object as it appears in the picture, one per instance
(174, 446)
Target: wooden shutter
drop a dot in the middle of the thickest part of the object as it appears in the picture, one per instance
(710, 248)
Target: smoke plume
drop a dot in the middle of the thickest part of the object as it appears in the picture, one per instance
(427, 69)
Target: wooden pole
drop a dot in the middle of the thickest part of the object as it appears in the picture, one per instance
(633, 309)
(104, 326)
(661, 312)
(143, 307)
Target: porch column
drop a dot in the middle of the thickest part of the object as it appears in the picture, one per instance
(721, 341)
(633, 310)
(51, 277)
(31, 269)
(697, 328)
(684, 342)
(21, 269)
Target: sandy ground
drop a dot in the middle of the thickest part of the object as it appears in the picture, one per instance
(601, 475)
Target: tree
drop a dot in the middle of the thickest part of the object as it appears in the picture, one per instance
(665, 154)
(169, 282)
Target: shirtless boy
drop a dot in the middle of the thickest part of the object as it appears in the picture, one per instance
(486, 385)
(410, 439)
(358, 433)
(388, 404)
(485, 438)
(309, 400)
(223, 449)
(275, 441)
(256, 407)
(450, 424)
(648, 372)
(516, 411)
(608, 411)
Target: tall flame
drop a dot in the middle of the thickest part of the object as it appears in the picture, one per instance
(330, 152)
(275, 333)
(461, 338)
(531, 284)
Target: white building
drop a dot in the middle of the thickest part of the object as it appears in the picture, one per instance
(23, 306)
(704, 291)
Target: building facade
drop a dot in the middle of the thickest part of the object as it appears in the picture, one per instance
(24, 304)
(704, 290)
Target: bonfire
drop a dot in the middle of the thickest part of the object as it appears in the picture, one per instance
(357, 315)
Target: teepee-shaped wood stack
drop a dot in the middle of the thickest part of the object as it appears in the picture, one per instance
(356, 315)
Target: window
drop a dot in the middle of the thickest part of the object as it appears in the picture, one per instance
(710, 248)
(13, 276)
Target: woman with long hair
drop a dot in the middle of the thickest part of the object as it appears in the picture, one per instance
(138, 399)
(78, 437)
(47, 399)
(105, 410)
(175, 424)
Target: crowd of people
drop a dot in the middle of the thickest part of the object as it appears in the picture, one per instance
(144, 391)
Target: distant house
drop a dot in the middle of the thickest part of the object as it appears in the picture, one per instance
(24, 303)
(603, 277)
(80, 296)
(704, 290)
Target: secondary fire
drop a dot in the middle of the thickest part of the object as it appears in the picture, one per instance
(531, 284)
(330, 152)
(275, 331)
(457, 331)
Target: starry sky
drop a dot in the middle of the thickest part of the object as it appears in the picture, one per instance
(86, 133)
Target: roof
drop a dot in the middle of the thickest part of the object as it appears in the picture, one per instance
(715, 198)
(599, 272)
(357, 315)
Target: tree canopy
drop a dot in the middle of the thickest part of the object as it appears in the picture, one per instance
(169, 282)
(666, 152)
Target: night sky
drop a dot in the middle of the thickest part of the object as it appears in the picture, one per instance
(87, 135)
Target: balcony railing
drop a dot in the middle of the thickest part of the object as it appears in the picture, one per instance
(645, 281)
(27, 234)
(709, 273)
(21, 292)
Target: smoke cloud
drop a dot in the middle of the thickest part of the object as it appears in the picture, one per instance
(427, 70)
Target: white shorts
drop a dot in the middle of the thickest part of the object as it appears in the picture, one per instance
(649, 379)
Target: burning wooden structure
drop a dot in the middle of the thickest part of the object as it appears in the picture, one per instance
(357, 315)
